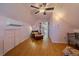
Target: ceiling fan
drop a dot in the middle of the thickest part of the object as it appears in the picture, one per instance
(42, 8)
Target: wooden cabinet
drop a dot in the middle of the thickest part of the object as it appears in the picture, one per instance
(73, 40)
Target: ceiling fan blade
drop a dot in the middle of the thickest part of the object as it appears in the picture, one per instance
(34, 7)
(49, 8)
(37, 12)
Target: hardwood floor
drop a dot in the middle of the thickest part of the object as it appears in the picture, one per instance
(32, 47)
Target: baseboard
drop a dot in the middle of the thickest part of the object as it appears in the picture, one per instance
(58, 42)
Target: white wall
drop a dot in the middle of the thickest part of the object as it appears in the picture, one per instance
(4, 22)
(62, 21)
(1, 35)
(58, 31)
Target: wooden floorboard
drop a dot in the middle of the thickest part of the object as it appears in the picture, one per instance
(32, 47)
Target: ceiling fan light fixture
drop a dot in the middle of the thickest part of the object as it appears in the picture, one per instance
(42, 10)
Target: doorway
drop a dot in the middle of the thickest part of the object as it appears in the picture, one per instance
(44, 30)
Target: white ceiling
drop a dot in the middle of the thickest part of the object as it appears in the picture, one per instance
(21, 12)
(26, 14)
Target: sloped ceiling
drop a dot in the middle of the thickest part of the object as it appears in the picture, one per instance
(70, 11)
(71, 14)
(25, 13)
(21, 11)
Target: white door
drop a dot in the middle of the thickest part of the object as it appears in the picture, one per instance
(9, 40)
